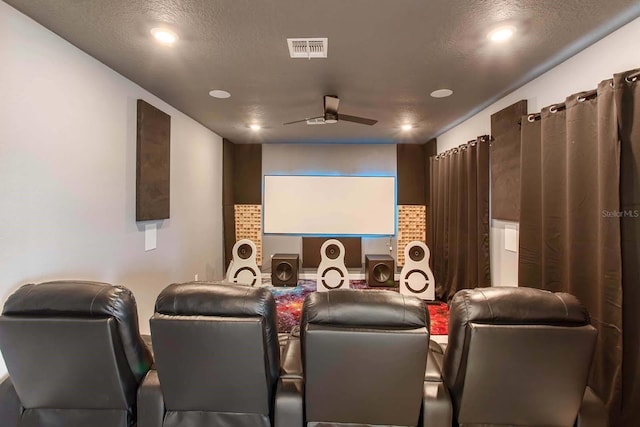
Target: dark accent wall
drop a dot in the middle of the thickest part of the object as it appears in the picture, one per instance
(153, 154)
(311, 251)
(430, 150)
(413, 172)
(228, 197)
(247, 174)
(241, 184)
(505, 162)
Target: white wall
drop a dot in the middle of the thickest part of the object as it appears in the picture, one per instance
(68, 170)
(316, 159)
(615, 53)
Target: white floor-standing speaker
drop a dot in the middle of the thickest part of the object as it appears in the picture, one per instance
(416, 278)
(243, 268)
(332, 272)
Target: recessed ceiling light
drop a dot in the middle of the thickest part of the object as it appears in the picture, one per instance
(406, 127)
(164, 36)
(222, 94)
(501, 34)
(441, 93)
(255, 127)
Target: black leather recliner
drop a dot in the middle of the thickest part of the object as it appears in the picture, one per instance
(361, 360)
(74, 356)
(217, 357)
(520, 356)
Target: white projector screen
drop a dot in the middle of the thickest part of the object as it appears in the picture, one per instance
(332, 205)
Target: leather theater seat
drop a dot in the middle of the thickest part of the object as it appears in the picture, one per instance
(361, 359)
(217, 357)
(74, 356)
(520, 356)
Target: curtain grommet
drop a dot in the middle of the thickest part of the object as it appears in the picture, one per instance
(631, 78)
(531, 118)
(553, 109)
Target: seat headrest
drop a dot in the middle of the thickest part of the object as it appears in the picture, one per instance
(518, 305)
(86, 299)
(214, 299)
(71, 298)
(373, 309)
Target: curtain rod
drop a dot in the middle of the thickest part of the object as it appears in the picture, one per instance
(561, 106)
(631, 78)
(482, 138)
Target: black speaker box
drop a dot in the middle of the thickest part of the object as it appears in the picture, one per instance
(284, 269)
(379, 270)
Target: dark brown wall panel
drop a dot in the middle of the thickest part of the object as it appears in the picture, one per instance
(410, 170)
(227, 172)
(228, 218)
(247, 174)
(430, 150)
(412, 164)
(153, 153)
(505, 162)
(311, 251)
(229, 221)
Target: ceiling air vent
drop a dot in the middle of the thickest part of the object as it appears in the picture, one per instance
(308, 48)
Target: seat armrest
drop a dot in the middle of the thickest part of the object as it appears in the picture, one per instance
(289, 407)
(592, 411)
(10, 406)
(435, 355)
(147, 340)
(437, 410)
(436, 348)
(292, 359)
(150, 401)
(282, 342)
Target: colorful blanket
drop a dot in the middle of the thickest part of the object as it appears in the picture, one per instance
(289, 303)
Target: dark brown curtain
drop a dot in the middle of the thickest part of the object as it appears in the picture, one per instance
(627, 102)
(580, 191)
(459, 221)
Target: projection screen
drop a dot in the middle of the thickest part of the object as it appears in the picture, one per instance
(331, 205)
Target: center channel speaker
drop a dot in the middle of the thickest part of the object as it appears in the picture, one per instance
(416, 277)
(332, 272)
(284, 269)
(243, 268)
(379, 270)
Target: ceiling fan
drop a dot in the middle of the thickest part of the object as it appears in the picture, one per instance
(331, 115)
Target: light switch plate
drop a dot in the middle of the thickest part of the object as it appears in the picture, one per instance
(511, 239)
(150, 236)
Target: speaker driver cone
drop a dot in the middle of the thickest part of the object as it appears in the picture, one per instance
(417, 281)
(332, 251)
(416, 253)
(381, 272)
(245, 251)
(284, 271)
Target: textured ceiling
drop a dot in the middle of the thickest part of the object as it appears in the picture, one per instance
(385, 57)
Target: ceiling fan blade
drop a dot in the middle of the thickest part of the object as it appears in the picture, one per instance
(303, 120)
(356, 119)
(331, 103)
